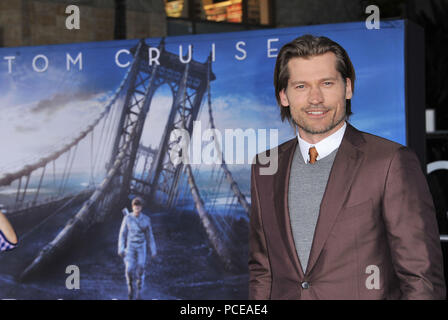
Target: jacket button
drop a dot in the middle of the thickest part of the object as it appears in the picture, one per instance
(305, 285)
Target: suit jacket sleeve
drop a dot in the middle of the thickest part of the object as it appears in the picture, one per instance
(259, 267)
(412, 231)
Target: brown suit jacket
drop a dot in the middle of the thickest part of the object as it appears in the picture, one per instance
(376, 211)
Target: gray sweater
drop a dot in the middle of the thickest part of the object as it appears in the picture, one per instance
(306, 188)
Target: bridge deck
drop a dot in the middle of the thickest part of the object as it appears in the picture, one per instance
(186, 268)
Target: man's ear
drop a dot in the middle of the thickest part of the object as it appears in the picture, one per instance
(348, 88)
(283, 98)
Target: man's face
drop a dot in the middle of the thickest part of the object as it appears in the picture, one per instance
(137, 208)
(316, 96)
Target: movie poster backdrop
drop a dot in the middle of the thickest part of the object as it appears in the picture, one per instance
(64, 110)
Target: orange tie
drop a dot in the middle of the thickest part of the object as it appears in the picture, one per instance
(313, 154)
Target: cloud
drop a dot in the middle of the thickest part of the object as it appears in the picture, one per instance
(236, 111)
(58, 102)
(25, 129)
(34, 134)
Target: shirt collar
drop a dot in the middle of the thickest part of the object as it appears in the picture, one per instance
(323, 147)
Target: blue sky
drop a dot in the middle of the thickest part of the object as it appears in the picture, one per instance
(243, 94)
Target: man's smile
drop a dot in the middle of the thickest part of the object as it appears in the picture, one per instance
(316, 113)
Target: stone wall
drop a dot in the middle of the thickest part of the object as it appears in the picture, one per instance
(307, 12)
(42, 22)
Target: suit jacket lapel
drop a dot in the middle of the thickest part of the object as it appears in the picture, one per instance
(281, 186)
(346, 163)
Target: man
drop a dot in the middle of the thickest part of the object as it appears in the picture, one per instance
(347, 215)
(135, 236)
(8, 237)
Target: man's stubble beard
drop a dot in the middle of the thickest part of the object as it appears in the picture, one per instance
(310, 130)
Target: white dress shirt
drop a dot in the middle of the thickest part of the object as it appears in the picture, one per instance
(323, 147)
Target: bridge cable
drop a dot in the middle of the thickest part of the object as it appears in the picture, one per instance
(40, 184)
(92, 179)
(70, 168)
(101, 145)
(64, 172)
(18, 192)
(234, 186)
(54, 173)
(25, 188)
(104, 146)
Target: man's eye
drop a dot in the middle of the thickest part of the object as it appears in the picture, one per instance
(328, 83)
(300, 86)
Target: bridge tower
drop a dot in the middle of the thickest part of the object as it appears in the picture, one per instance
(188, 83)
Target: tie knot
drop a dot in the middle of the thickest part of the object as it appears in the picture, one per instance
(313, 154)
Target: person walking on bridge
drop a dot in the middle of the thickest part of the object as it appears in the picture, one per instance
(134, 239)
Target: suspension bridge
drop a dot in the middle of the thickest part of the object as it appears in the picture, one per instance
(50, 223)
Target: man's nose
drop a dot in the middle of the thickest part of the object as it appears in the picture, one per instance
(315, 96)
